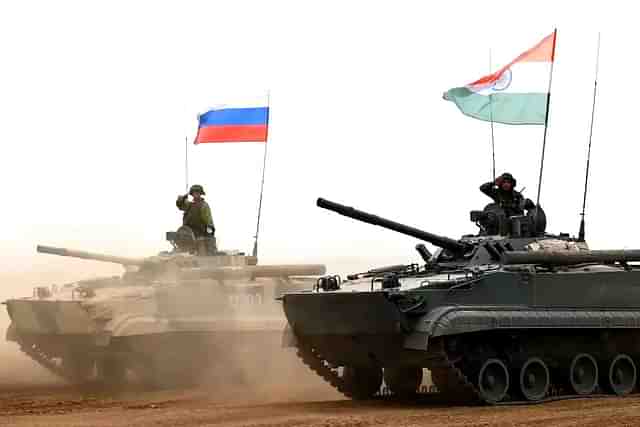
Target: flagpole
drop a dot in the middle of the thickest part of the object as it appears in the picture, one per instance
(264, 167)
(186, 163)
(546, 116)
(493, 148)
(586, 177)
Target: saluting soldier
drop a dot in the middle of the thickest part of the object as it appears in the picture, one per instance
(503, 193)
(197, 213)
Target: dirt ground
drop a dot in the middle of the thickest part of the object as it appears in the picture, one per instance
(61, 405)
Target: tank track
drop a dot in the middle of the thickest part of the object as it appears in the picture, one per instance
(317, 364)
(45, 360)
(459, 387)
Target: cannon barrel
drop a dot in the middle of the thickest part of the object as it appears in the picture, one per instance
(89, 255)
(253, 271)
(570, 258)
(440, 241)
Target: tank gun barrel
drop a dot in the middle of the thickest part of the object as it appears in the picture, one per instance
(253, 271)
(440, 241)
(89, 255)
(582, 257)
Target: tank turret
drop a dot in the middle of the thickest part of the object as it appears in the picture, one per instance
(193, 267)
(493, 221)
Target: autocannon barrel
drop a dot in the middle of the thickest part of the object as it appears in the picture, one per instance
(440, 241)
(253, 271)
(570, 258)
(89, 255)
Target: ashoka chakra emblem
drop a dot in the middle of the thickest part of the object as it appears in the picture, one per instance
(503, 81)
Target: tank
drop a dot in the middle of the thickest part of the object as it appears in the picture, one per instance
(164, 322)
(509, 314)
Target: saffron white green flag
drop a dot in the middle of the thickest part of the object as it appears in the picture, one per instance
(516, 94)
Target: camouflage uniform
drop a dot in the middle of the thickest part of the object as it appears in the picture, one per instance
(511, 201)
(197, 214)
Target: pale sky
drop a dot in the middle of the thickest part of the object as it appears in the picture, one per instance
(96, 99)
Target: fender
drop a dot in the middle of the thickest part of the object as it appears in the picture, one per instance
(122, 326)
(453, 320)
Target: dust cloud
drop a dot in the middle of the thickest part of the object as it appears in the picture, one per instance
(267, 373)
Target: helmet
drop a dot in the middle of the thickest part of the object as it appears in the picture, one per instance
(507, 177)
(198, 188)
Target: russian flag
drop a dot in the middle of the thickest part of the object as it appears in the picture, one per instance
(233, 125)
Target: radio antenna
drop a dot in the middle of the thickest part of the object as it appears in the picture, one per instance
(586, 177)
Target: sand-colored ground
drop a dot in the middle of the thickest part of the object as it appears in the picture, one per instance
(282, 406)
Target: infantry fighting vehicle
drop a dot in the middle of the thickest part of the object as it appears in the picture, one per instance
(510, 314)
(164, 321)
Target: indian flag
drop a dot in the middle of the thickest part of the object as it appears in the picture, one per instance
(516, 94)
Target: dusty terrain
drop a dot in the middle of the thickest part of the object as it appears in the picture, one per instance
(62, 406)
(287, 394)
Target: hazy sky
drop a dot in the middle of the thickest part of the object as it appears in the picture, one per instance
(96, 99)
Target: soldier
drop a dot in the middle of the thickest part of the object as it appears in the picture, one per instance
(197, 214)
(503, 193)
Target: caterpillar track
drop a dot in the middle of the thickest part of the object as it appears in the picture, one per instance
(318, 365)
(457, 380)
(45, 360)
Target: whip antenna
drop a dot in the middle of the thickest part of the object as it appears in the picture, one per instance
(586, 177)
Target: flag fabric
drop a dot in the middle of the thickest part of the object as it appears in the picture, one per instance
(233, 124)
(515, 94)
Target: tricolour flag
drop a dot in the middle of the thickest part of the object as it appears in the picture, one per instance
(233, 125)
(516, 94)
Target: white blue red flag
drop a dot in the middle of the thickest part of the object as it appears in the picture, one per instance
(233, 124)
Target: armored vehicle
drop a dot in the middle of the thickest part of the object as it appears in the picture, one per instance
(163, 322)
(510, 314)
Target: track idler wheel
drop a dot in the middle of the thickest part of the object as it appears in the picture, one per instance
(403, 381)
(620, 375)
(493, 381)
(583, 374)
(534, 379)
(362, 382)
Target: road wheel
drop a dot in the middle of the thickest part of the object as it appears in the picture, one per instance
(583, 374)
(620, 375)
(493, 381)
(534, 379)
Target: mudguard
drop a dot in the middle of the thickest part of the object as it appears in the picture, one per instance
(453, 320)
(128, 325)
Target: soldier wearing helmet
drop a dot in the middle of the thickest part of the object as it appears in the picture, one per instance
(503, 193)
(197, 214)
